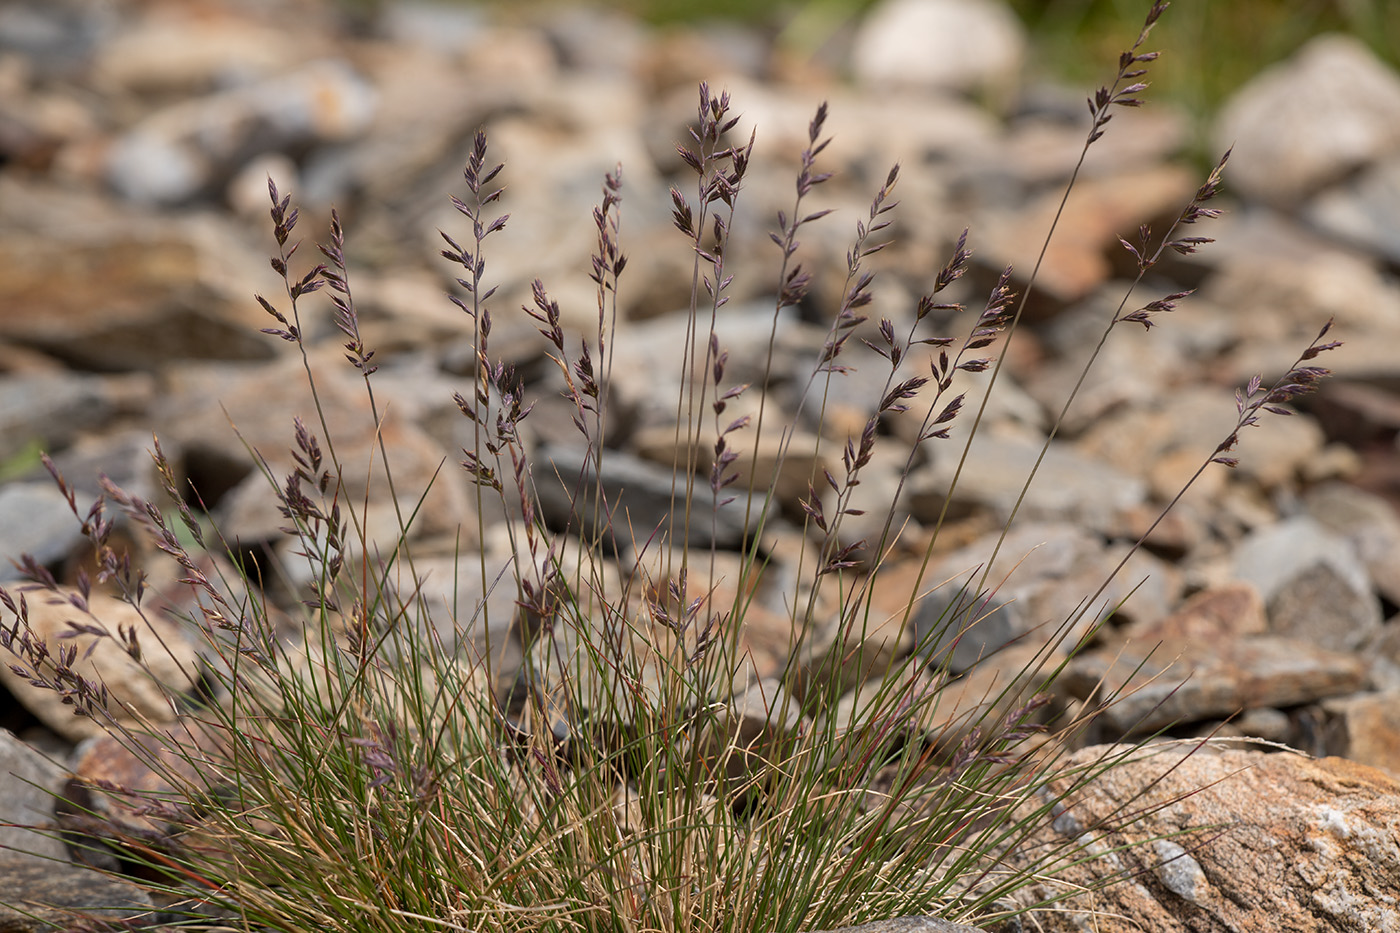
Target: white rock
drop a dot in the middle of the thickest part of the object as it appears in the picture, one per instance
(1310, 120)
(953, 44)
(30, 783)
(149, 167)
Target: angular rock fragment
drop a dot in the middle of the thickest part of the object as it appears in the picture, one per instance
(1172, 682)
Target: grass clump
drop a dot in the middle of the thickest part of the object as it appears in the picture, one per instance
(640, 767)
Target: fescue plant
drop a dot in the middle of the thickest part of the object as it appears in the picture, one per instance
(638, 769)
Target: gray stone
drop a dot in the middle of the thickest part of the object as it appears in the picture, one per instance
(35, 520)
(1384, 652)
(551, 235)
(413, 135)
(1333, 89)
(872, 132)
(1179, 871)
(1126, 376)
(1313, 582)
(147, 168)
(1366, 521)
(1273, 555)
(1067, 485)
(435, 26)
(177, 153)
(1362, 212)
(1156, 685)
(43, 895)
(642, 504)
(56, 36)
(601, 40)
(649, 356)
(879, 496)
(29, 783)
(51, 410)
(1321, 605)
(957, 617)
(1043, 143)
(123, 456)
(1035, 592)
(1264, 722)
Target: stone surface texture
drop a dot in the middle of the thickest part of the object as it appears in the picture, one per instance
(1230, 839)
(43, 895)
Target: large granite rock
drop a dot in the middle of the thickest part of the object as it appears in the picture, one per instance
(1195, 837)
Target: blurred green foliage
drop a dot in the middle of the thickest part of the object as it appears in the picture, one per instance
(23, 462)
(1210, 47)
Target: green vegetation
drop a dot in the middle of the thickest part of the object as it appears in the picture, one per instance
(1214, 47)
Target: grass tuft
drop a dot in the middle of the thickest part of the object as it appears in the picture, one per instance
(642, 767)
